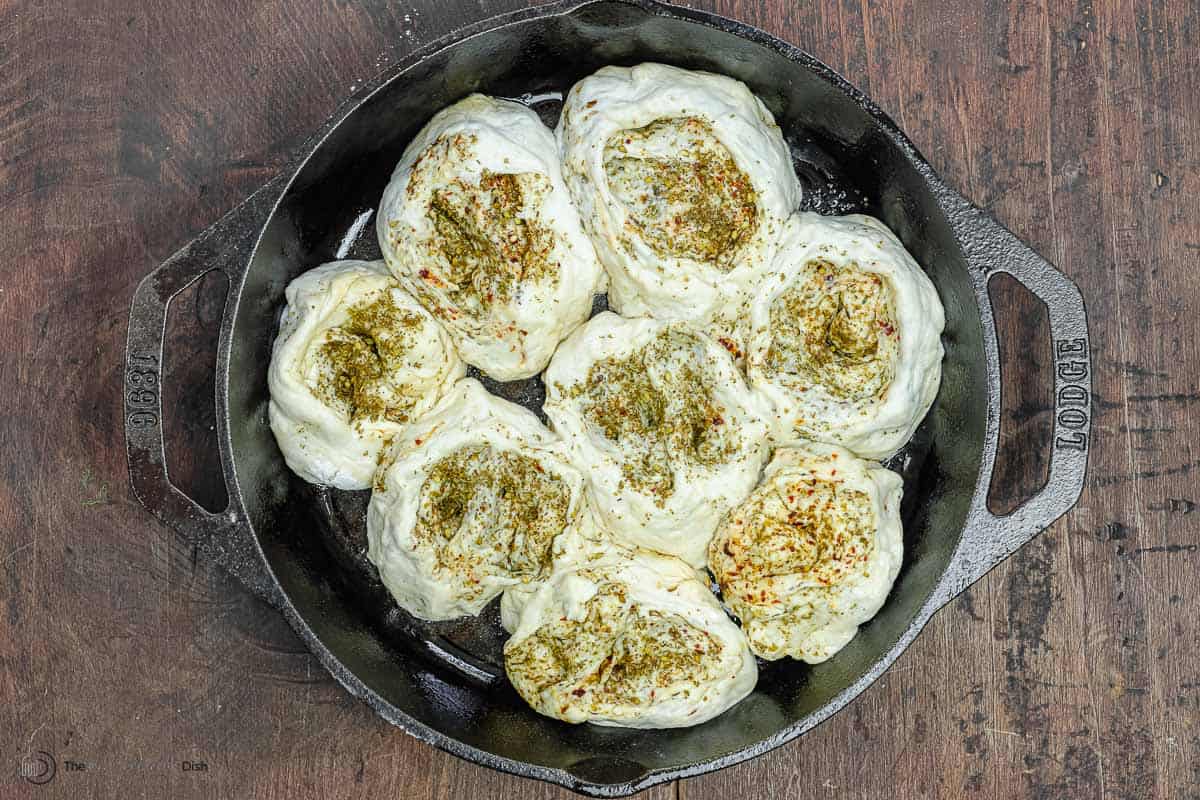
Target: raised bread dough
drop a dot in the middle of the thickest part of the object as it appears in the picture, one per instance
(658, 418)
(682, 180)
(477, 223)
(636, 641)
(846, 336)
(473, 500)
(813, 552)
(356, 361)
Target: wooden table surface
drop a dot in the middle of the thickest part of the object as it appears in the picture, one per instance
(1071, 671)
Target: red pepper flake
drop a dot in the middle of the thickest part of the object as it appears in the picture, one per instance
(579, 692)
(417, 442)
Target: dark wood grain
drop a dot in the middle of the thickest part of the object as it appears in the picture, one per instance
(1071, 671)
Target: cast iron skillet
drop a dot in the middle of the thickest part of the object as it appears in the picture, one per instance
(301, 549)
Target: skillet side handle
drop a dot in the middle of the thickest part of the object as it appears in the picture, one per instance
(224, 536)
(989, 539)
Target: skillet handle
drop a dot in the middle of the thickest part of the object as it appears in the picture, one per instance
(224, 536)
(989, 539)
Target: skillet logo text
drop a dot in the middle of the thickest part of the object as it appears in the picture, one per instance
(1072, 402)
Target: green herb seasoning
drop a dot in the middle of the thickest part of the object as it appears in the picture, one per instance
(808, 527)
(358, 359)
(616, 655)
(836, 328)
(660, 409)
(489, 238)
(657, 649)
(556, 653)
(492, 512)
(685, 194)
